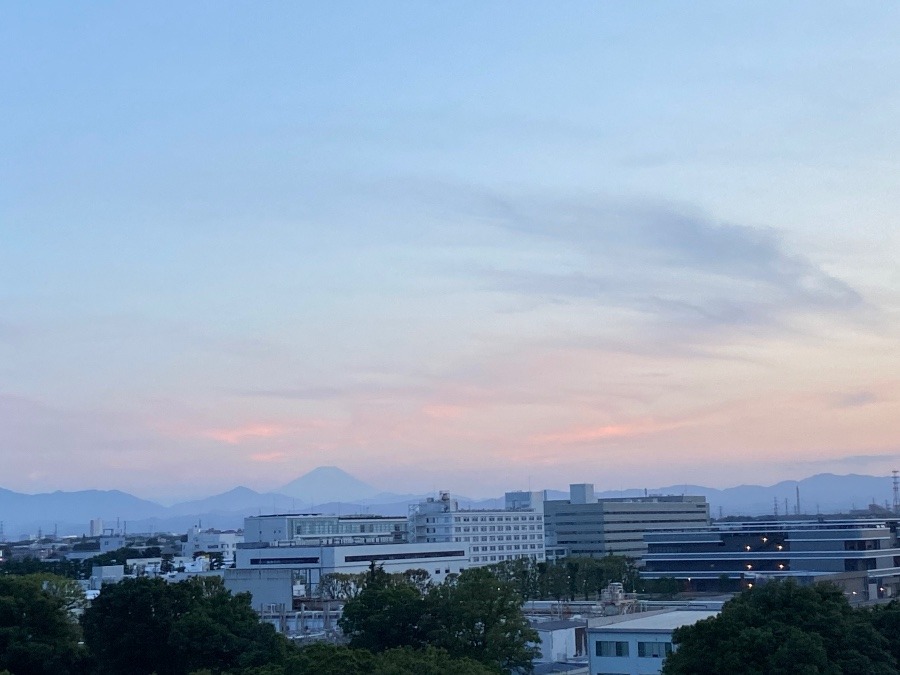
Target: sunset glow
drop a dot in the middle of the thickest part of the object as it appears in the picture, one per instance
(460, 245)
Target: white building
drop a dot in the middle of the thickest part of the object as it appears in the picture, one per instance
(562, 641)
(493, 535)
(212, 541)
(299, 527)
(637, 644)
(310, 562)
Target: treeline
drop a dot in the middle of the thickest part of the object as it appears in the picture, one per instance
(573, 578)
(471, 625)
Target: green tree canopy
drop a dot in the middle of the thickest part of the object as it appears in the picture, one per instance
(480, 617)
(476, 616)
(144, 626)
(781, 627)
(37, 634)
(387, 613)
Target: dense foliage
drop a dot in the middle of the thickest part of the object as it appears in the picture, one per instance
(780, 627)
(143, 626)
(37, 634)
(476, 616)
(405, 625)
(568, 579)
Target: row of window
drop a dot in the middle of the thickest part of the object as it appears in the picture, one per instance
(509, 537)
(649, 650)
(495, 558)
(497, 528)
(481, 519)
(509, 547)
(492, 519)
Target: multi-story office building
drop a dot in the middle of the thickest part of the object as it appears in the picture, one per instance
(315, 527)
(739, 553)
(494, 535)
(586, 526)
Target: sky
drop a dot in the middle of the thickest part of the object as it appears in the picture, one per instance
(475, 246)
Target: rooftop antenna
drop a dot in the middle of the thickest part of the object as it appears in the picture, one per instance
(798, 500)
(775, 499)
(786, 511)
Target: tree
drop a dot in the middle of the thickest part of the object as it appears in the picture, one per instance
(143, 626)
(326, 659)
(780, 627)
(480, 617)
(127, 627)
(386, 614)
(428, 661)
(37, 634)
(886, 620)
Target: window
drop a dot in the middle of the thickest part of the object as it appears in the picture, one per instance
(654, 650)
(611, 648)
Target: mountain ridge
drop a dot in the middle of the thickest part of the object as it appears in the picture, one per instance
(71, 512)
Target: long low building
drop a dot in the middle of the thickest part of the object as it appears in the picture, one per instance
(727, 556)
(310, 563)
(299, 527)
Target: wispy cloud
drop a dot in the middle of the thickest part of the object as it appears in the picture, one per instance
(674, 264)
(854, 399)
(240, 434)
(268, 457)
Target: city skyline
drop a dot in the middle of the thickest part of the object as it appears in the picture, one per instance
(448, 246)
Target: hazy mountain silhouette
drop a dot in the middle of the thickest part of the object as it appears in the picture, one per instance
(326, 484)
(331, 490)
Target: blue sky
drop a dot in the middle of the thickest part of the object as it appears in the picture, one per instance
(469, 245)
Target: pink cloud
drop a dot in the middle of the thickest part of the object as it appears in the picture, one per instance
(441, 411)
(267, 457)
(240, 434)
(587, 434)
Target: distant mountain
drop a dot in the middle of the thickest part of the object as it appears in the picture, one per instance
(237, 499)
(822, 493)
(80, 505)
(70, 512)
(330, 490)
(328, 483)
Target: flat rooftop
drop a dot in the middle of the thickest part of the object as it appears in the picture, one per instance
(659, 621)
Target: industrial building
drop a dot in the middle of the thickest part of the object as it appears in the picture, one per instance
(298, 527)
(727, 556)
(586, 526)
(310, 562)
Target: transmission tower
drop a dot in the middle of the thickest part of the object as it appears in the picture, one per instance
(896, 490)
